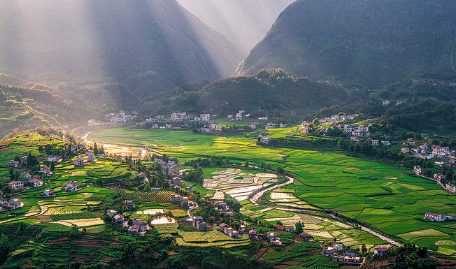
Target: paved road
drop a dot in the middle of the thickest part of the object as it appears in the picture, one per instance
(254, 199)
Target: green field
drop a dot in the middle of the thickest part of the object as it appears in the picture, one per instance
(385, 197)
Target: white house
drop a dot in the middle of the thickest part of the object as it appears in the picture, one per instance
(16, 185)
(90, 157)
(49, 192)
(36, 182)
(111, 212)
(71, 186)
(13, 163)
(405, 150)
(205, 117)
(78, 161)
(434, 216)
(265, 139)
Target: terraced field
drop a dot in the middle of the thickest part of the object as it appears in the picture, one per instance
(386, 197)
(237, 184)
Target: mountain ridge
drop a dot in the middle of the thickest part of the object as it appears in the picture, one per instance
(372, 44)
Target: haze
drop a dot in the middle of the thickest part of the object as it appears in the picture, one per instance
(245, 22)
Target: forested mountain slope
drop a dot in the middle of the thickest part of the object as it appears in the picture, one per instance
(369, 43)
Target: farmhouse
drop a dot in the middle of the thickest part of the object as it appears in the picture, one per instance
(346, 259)
(253, 235)
(439, 176)
(405, 150)
(418, 170)
(305, 236)
(72, 186)
(129, 204)
(16, 185)
(338, 247)
(271, 235)
(289, 229)
(265, 139)
(13, 164)
(275, 242)
(434, 216)
(328, 252)
(78, 161)
(49, 192)
(224, 227)
(111, 212)
(381, 251)
(119, 220)
(36, 182)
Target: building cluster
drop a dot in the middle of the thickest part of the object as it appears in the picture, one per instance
(306, 237)
(139, 227)
(17, 164)
(432, 152)
(184, 201)
(179, 118)
(273, 239)
(119, 118)
(265, 139)
(226, 229)
(223, 208)
(339, 253)
(210, 128)
(199, 223)
(11, 204)
(239, 116)
(336, 118)
(437, 217)
(169, 168)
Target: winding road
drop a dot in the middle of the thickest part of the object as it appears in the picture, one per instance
(259, 193)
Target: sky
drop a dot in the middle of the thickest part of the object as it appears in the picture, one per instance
(245, 22)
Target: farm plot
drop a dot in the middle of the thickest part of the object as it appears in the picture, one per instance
(150, 211)
(81, 222)
(160, 197)
(74, 216)
(237, 184)
(329, 230)
(429, 233)
(211, 238)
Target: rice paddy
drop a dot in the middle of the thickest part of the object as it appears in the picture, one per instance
(385, 197)
(237, 184)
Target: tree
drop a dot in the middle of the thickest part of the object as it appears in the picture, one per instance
(18, 97)
(299, 228)
(95, 149)
(5, 248)
(280, 171)
(52, 166)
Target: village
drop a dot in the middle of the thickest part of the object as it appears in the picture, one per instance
(182, 120)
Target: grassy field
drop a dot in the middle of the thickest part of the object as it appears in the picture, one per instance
(383, 196)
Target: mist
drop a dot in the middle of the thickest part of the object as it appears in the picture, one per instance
(245, 22)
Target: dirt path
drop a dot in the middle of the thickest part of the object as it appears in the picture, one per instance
(258, 194)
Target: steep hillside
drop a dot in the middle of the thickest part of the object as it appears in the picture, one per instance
(147, 45)
(244, 22)
(266, 92)
(369, 43)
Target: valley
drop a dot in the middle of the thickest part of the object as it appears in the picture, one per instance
(180, 134)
